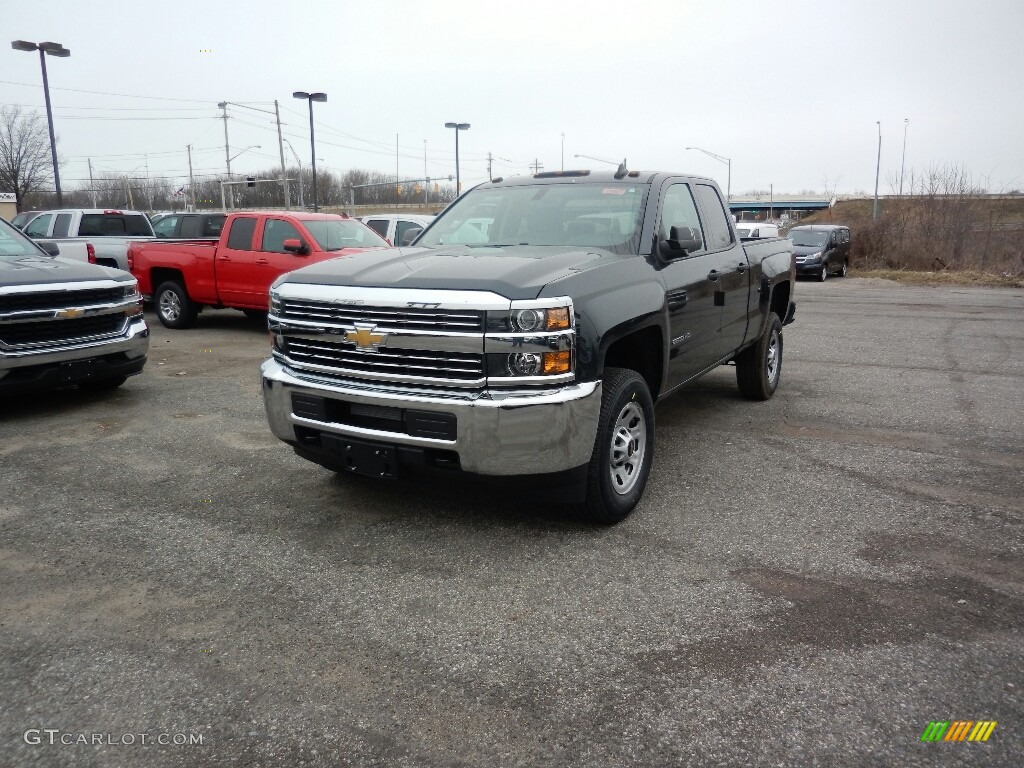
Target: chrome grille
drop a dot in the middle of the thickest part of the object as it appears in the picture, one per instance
(386, 363)
(60, 331)
(384, 318)
(21, 302)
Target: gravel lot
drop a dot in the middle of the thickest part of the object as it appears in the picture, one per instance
(808, 581)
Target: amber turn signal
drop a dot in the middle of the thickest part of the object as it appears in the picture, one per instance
(557, 319)
(557, 362)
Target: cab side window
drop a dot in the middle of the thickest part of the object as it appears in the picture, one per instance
(679, 210)
(380, 226)
(165, 227)
(39, 225)
(61, 225)
(275, 232)
(716, 226)
(190, 226)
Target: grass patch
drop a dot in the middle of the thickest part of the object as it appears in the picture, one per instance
(960, 277)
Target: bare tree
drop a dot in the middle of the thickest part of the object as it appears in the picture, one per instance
(24, 152)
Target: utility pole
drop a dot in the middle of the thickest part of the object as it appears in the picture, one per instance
(397, 189)
(490, 176)
(280, 149)
(191, 186)
(536, 165)
(903, 162)
(426, 185)
(878, 167)
(227, 152)
(771, 202)
(92, 185)
(563, 150)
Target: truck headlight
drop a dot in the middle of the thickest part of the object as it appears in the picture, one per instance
(538, 363)
(530, 320)
(274, 305)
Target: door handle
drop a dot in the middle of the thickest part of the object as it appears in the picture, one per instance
(223, 258)
(742, 267)
(713, 275)
(262, 261)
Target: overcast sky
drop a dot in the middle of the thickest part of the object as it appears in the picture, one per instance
(791, 91)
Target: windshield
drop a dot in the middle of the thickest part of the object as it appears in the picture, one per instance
(598, 215)
(333, 235)
(14, 245)
(808, 237)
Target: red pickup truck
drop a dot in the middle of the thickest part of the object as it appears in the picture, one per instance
(254, 249)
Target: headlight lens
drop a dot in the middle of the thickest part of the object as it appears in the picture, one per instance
(524, 364)
(274, 307)
(529, 320)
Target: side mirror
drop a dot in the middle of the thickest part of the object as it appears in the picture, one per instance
(409, 235)
(296, 246)
(681, 241)
(49, 246)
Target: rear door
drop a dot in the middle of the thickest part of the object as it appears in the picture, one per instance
(235, 263)
(689, 292)
(380, 226)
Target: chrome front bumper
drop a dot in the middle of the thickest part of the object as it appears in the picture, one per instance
(497, 433)
(133, 341)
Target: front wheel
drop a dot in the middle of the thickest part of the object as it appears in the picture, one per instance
(823, 275)
(173, 306)
(624, 448)
(758, 368)
(845, 269)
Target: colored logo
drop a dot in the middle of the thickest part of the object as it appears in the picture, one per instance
(68, 314)
(958, 730)
(365, 339)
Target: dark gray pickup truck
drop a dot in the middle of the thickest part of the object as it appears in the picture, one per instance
(65, 322)
(528, 330)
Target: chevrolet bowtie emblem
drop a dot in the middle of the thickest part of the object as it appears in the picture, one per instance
(365, 339)
(68, 314)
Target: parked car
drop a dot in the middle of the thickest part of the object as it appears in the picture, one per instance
(397, 229)
(108, 230)
(196, 226)
(821, 249)
(254, 249)
(533, 346)
(63, 322)
(23, 218)
(753, 230)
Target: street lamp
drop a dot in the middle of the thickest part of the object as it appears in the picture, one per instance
(49, 49)
(878, 167)
(254, 146)
(721, 159)
(458, 127)
(311, 97)
(903, 162)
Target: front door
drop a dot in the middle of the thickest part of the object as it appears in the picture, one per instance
(236, 263)
(273, 260)
(689, 291)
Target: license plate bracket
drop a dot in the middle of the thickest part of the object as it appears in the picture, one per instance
(359, 458)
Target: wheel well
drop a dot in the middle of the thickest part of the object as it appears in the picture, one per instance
(642, 352)
(780, 300)
(160, 275)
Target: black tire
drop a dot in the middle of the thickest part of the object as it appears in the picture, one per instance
(173, 306)
(823, 275)
(759, 368)
(102, 385)
(614, 483)
(256, 315)
(846, 268)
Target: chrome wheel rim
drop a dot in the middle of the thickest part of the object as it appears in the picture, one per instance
(170, 306)
(845, 268)
(824, 273)
(628, 448)
(773, 357)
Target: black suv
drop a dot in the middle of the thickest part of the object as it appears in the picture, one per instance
(821, 249)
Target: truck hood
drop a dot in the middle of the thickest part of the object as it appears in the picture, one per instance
(43, 270)
(516, 272)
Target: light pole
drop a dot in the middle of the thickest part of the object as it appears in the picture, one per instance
(458, 127)
(903, 162)
(47, 49)
(728, 163)
(878, 167)
(311, 97)
(563, 150)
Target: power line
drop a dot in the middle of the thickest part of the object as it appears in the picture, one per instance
(108, 93)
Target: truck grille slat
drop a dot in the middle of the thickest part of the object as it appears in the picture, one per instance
(386, 318)
(31, 333)
(413, 364)
(20, 302)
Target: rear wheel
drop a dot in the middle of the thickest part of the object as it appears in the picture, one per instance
(173, 306)
(624, 448)
(759, 367)
(845, 269)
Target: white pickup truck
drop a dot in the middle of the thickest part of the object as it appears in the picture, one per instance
(109, 231)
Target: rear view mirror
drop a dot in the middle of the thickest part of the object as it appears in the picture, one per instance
(409, 235)
(681, 241)
(296, 246)
(49, 246)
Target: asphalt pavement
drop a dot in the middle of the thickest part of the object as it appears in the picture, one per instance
(808, 581)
